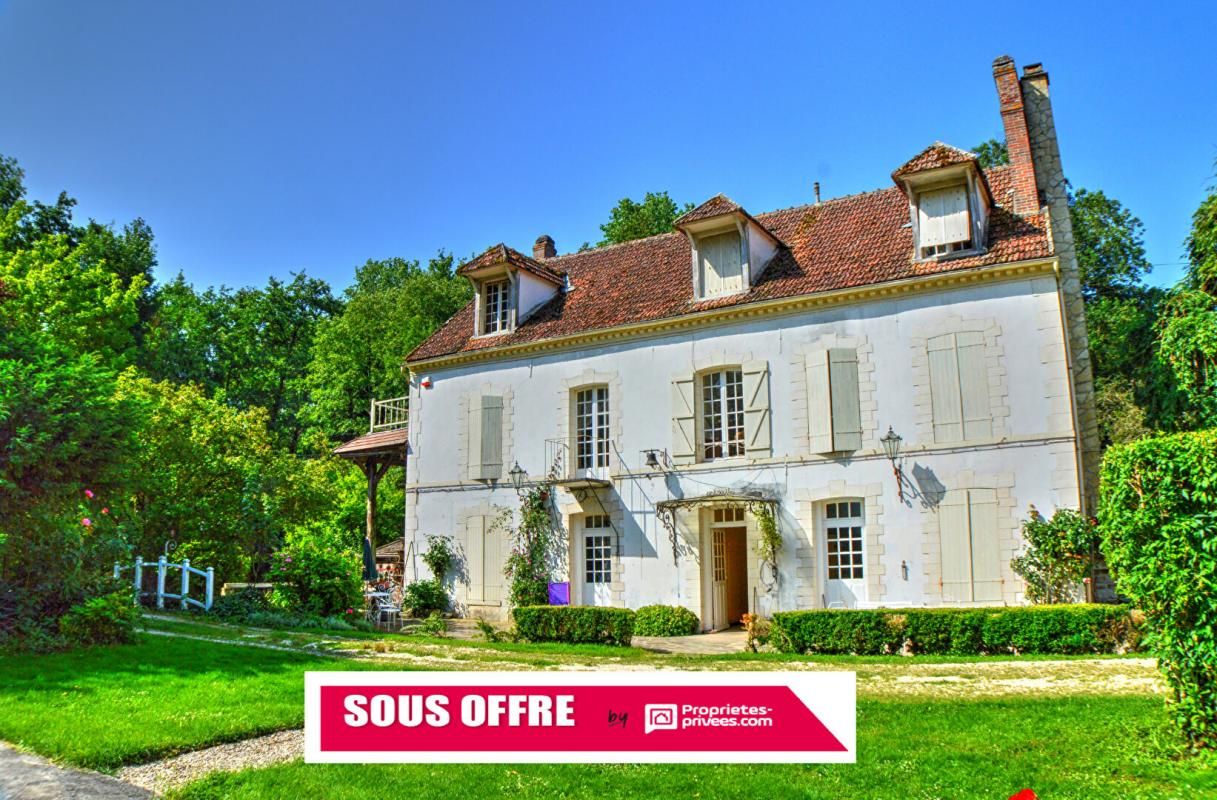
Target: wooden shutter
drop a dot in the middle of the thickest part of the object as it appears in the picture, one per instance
(474, 439)
(475, 557)
(819, 403)
(974, 386)
(944, 388)
(846, 411)
(956, 222)
(722, 263)
(684, 419)
(986, 555)
(758, 441)
(971, 557)
(930, 230)
(492, 437)
(954, 541)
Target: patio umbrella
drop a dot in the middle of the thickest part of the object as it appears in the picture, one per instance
(369, 561)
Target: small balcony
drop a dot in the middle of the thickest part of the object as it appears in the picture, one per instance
(578, 462)
(389, 415)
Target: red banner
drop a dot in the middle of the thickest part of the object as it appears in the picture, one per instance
(581, 717)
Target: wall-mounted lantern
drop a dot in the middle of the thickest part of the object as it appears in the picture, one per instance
(518, 475)
(891, 446)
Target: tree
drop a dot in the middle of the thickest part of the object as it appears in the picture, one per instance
(630, 220)
(992, 153)
(391, 308)
(1110, 246)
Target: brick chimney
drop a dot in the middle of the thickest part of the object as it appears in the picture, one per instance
(1018, 141)
(544, 248)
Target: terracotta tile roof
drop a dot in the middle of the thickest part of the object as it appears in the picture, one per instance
(842, 243)
(378, 443)
(933, 157)
(501, 253)
(716, 206)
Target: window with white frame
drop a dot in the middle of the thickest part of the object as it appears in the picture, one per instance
(843, 528)
(944, 221)
(496, 307)
(722, 414)
(728, 514)
(592, 428)
(597, 550)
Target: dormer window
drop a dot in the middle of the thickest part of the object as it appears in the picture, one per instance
(730, 248)
(944, 221)
(496, 307)
(949, 201)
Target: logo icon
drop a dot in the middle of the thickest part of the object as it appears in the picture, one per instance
(659, 717)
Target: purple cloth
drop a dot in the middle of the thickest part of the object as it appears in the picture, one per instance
(559, 594)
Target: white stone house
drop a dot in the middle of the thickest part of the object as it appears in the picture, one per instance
(672, 386)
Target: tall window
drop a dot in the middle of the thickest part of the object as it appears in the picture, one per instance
(496, 306)
(597, 550)
(843, 539)
(592, 428)
(722, 409)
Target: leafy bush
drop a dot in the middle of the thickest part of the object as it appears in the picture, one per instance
(439, 556)
(316, 580)
(1058, 554)
(836, 631)
(575, 624)
(433, 625)
(940, 631)
(423, 598)
(240, 604)
(108, 619)
(282, 620)
(1158, 520)
(665, 621)
(959, 631)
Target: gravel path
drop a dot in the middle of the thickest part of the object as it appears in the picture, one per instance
(24, 776)
(160, 776)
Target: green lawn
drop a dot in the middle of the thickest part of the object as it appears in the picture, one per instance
(1074, 747)
(108, 706)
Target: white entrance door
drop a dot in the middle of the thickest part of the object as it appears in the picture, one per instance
(718, 578)
(597, 561)
(844, 559)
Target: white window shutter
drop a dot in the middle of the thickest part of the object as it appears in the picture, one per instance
(955, 217)
(819, 403)
(846, 410)
(474, 439)
(492, 437)
(758, 440)
(930, 229)
(684, 420)
(475, 557)
(492, 563)
(986, 555)
(722, 264)
(974, 386)
(944, 388)
(955, 545)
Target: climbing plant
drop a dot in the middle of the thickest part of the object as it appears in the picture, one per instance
(770, 543)
(533, 543)
(439, 556)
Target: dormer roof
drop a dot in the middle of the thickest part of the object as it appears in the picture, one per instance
(936, 156)
(499, 255)
(717, 207)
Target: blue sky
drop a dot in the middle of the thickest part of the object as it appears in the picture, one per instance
(269, 137)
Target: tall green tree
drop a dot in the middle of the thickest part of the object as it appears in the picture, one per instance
(391, 308)
(630, 220)
(992, 153)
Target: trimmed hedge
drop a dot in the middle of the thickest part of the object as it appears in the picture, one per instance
(575, 624)
(665, 621)
(1056, 629)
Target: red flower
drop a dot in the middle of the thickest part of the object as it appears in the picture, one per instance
(89, 493)
(105, 511)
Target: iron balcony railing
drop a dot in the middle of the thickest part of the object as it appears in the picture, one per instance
(572, 458)
(387, 415)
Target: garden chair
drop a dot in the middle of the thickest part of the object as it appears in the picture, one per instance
(388, 613)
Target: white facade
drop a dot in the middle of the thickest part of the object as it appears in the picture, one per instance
(948, 541)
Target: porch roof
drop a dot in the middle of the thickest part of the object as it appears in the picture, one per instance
(375, 444)
(714, 498)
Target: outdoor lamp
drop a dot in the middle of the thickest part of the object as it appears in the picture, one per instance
(517, 476)
(891, 446)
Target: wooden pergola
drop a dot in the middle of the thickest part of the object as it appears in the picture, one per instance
(375, 453)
